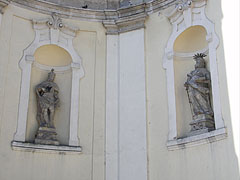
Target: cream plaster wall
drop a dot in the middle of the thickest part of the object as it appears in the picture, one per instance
(15, 35)
(52, 55)
(215, 160)
(191, 40)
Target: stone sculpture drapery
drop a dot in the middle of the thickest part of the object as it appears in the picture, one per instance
(47, 102)
(198, 86)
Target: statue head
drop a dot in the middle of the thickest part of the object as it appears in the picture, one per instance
(51, 75)
(199, 58)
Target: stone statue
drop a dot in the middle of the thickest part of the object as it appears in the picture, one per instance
(47, 102)
(198, 89)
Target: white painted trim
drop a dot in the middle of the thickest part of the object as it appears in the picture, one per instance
(23, 103)
(46, 34)
(132, 107)
(48, 68)
(112, 107)
(0, 20)
(180, 22)
(126, 138)
(29, 147)
(197, 140)
(73, 133)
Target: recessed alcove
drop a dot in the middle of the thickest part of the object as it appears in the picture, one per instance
(47, 57)
(52, 55)
(192, 32)
(52, 48)
(189, 42)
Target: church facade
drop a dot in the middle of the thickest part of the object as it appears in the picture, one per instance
(114, 90)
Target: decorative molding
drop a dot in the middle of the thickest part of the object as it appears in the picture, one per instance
(197, 140)
(3, 4)
(115, 21)
(55, 22)
(50, 31)
(181, 20)
(48, 68)
(29, 147)
(185, 12)
(55, 30)
(124, 24)
(183, 5)
(93, 14)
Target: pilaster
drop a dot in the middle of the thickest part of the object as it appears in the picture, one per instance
(126, 24)
(126, 149)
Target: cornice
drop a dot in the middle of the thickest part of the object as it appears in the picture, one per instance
(180, 7)
(124, 24)
(3, 4)
(92, 14)
(115, 21)
(54, 23)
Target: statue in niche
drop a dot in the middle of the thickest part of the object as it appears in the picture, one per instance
(198, 89)
(47, 102)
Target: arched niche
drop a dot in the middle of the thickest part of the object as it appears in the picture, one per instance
(51, 56)
(190, 41)
(188, 19)
(51, 37)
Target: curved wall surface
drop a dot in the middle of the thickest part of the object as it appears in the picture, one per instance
(114, 68)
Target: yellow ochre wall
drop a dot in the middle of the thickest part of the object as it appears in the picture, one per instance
(213, 161)
(16, 34)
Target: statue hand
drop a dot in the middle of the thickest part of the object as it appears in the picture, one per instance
(204, 90)
(57, 104)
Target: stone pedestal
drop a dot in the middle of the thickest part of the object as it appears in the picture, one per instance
(47, 136)
(201, 124)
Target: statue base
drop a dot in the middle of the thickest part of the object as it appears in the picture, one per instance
(46, 136)
(201, 124)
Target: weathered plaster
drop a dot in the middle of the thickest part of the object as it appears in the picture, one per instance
(57, 34)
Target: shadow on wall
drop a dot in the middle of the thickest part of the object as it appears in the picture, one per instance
(219, 157)
(233, 163)
(46, 57)
(191, 40)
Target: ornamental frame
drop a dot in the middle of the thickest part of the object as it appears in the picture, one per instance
(51, 31)
(187, 14)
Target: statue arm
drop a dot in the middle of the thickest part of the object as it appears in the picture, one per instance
(203, 80)
(194, 83)
(203, 90)
(37, 89)
(57, 100)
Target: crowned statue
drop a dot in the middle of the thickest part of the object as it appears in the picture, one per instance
(47, 102)
(198, 86)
